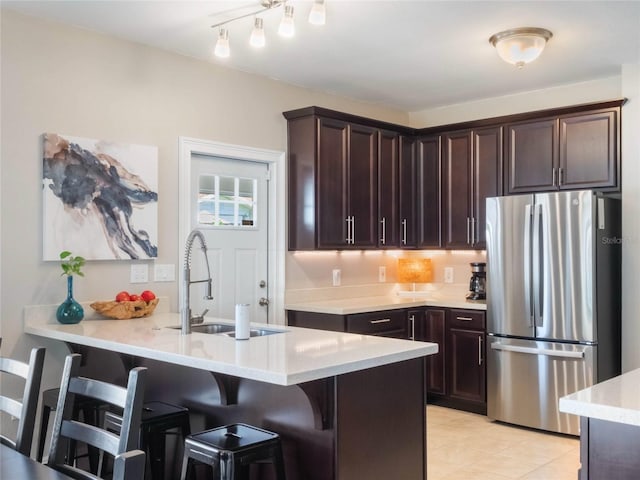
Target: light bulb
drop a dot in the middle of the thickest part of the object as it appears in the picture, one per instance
(222, 49)
(257, 38)
(287, 28)
(318, 14)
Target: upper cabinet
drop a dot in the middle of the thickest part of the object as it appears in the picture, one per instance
(565, 152)
(343, 182)
(472, 161)
(358, 183)
(388, 189)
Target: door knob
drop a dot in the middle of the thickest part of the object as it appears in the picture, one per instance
(263, 302)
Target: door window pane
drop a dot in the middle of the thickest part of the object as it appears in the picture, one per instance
(227, 202)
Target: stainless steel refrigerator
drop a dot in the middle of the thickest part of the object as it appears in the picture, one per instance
(553, 303)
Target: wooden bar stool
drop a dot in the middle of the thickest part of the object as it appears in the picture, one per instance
(231, 449)
(158, 420)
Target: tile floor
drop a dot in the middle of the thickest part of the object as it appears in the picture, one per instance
(463, 446)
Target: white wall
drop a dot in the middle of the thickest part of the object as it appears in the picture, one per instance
(72, 81)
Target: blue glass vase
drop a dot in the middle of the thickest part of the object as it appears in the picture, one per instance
(70, 311)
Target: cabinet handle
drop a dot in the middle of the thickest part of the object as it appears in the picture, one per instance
(382, 320)
(412, 319)
(473, 231)
(560, 172)
(553, 177)
(383, 239)
(468, 221)
(404, 231)
(479, 350)
(353, 229)
(465, 319)
(348, 239)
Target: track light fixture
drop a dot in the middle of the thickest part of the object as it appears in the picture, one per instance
(317, 16)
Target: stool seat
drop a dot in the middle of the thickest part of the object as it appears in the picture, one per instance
(232, 448)
(156, 421)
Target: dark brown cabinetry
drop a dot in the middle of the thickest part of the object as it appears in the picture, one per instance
(456, 375)
(566, 152)
(387, 323)
(466, 358)
(408, 193)
(429, 198)
(361, 183)
(343, 181)
(388, 189)
(472, 162)
(429, 325)
(347, 179)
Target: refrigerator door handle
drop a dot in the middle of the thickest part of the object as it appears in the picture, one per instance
(538, 267)
(536, 351)
(527, 264)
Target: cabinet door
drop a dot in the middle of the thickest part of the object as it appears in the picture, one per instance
(588, 151)
(428, 192)
(532, 156)
(486, 178)
(457, 189)
(332, 189)
(434, 331)
(388, 184)
(465, 357)
(363, 185)
(407, 193)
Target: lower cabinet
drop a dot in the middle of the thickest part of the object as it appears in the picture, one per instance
(455, 376)
(387, 323)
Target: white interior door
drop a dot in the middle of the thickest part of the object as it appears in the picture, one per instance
(229, 204)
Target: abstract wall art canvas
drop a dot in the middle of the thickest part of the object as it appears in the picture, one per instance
(100, 199)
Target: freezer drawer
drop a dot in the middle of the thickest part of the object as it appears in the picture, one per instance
(526, 378)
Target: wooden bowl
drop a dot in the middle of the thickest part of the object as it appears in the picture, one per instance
(125, 310)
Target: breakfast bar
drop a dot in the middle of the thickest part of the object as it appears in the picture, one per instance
(346, 406)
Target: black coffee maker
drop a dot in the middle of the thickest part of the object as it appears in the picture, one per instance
(478, 282)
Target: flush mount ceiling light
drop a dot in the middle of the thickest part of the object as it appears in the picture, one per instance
(317, 16)
(519, 46)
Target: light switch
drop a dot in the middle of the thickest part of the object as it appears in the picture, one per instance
(164, 273)
(139, 273)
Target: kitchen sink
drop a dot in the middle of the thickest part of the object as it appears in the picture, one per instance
(228, 330)
(257, 332)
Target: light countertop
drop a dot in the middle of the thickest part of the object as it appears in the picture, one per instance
(346, 306)
(296, 356)
(615, 400)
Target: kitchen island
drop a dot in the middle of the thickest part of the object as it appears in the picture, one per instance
(346, 406)
(609, 427)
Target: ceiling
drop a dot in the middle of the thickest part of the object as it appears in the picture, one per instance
(409, 55)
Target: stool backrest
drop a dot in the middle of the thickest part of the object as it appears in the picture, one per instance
(128, 399)
(25, 408)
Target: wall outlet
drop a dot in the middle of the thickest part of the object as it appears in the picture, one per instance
(139, 273)
(336, 277)
(382, 274)
(448, 274)
(164, 273)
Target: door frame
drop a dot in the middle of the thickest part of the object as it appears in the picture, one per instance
(276, 212)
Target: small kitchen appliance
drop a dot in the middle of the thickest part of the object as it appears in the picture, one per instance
(478, 282)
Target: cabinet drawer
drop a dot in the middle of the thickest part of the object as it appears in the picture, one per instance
(467, 319)
(387, 323)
